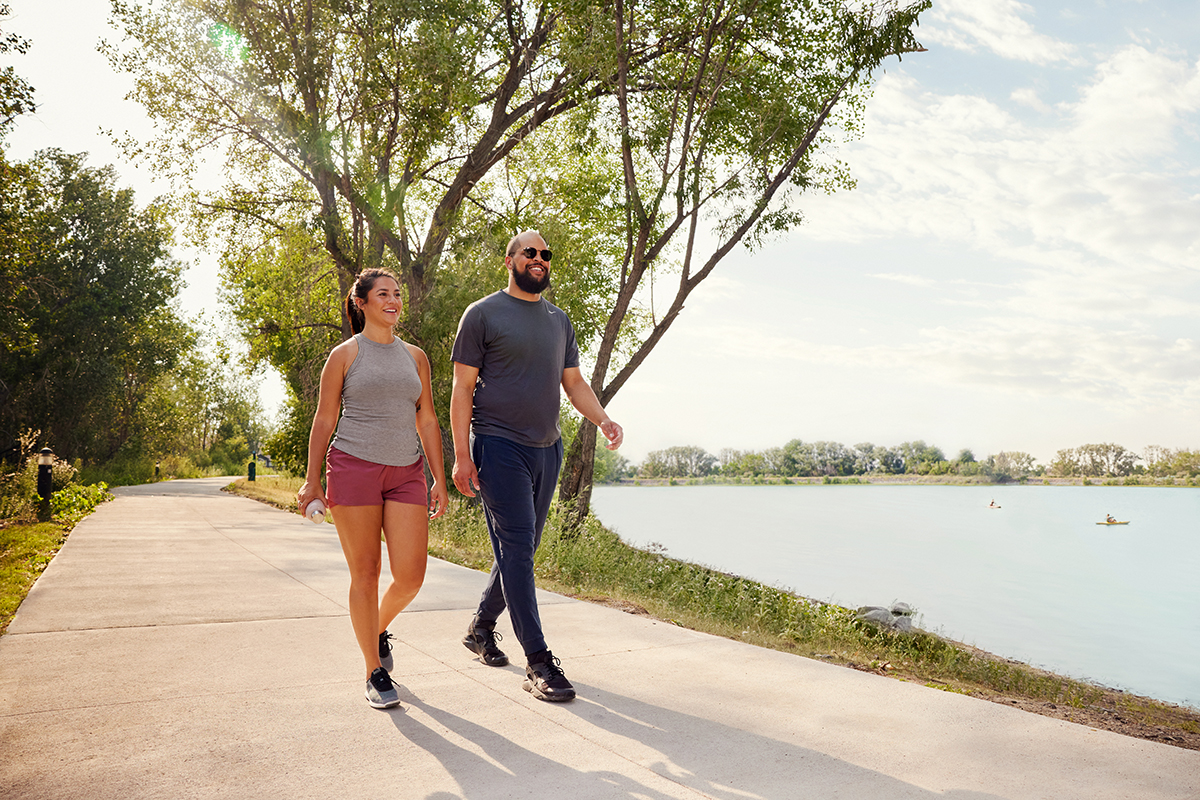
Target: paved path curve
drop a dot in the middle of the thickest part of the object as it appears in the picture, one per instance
(190, 644)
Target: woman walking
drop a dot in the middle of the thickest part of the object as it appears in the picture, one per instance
(374, 472)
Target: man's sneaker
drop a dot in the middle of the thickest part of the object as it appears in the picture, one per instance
(381, 693)
(481, 640)
(385, 651)
(545, 680)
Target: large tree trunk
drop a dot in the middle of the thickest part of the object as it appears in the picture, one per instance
(575, 486)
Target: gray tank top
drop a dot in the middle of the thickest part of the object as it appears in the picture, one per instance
(379, 405)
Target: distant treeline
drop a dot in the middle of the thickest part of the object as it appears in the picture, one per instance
(828, 459)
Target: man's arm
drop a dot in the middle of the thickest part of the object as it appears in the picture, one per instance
(580, 393)
(462, 400)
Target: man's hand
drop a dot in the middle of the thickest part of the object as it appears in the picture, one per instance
(612, 431)
(466, 476)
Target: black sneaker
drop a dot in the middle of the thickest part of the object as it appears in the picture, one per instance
(481, 640)
(545, 680)
(381, 692)
(385, 651)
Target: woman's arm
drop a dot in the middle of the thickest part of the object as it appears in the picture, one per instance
(329, 403)
(431, 436)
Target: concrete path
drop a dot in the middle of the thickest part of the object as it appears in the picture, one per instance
(187, 643)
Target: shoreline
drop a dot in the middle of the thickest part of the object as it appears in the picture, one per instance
(1132, 481)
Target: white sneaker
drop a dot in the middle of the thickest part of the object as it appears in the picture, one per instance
(381, 693)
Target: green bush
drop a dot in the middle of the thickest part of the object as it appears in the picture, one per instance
(18, 489)
(128, 468)
(18, 495)
(74, 502)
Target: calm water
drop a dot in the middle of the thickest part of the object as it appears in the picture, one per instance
(1036, 580)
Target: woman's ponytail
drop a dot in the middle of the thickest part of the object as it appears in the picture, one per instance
(353, 313)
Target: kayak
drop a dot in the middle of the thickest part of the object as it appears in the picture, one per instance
(1126, 522)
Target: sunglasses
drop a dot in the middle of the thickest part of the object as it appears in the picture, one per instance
(530, 252)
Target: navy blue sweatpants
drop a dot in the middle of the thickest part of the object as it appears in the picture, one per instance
(517, 483)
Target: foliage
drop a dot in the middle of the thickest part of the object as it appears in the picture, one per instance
(1163, 462)
(16, 95)
(678, 462)
(833, 459)
(388, 134)
(18, 479)
(206, 408)
(375, 142)
(288, 444)
(1008, 466)
(1092, 461)
(69, 500)
(74, 502)
(18, 495)
(610, 465)
(88, 329)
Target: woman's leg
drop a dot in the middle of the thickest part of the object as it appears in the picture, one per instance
(406, 529)
(358, 528)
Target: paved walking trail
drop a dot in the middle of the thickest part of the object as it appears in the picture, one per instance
(186, 643)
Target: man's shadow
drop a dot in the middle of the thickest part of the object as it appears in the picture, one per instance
(708, 757)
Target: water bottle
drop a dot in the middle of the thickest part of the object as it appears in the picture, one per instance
(315, 511)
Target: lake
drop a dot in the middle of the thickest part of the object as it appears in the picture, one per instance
(1036, 580)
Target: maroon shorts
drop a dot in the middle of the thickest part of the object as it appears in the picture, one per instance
(350, 481)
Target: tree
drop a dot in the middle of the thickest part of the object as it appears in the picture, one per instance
(201, 406)
(369, 134)
(377, 127)
(920, 458)
(89, 330)
(16, 95)
(728, 130)
(1008, 465)
(1094, 461)
(686, 461)
(611, 466)
(376, 124)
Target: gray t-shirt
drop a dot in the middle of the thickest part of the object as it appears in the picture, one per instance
(379, 405)
(521, 349)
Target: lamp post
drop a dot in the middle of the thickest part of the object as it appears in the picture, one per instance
(45, 484)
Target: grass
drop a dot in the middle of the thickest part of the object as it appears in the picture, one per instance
(274, 490)
(25, 550)
(593, 564)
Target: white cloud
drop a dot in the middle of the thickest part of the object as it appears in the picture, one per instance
(997, 25)
(912, 280)
(1134, 106)
(1124, 371)
(1029, 97)
(1092, 180)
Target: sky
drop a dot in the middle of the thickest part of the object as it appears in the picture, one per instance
(1018, 267)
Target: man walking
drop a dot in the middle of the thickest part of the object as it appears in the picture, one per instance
(512, 352)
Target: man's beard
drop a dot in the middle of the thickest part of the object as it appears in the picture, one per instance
(527, 283)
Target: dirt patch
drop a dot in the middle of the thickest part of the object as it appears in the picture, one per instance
(1113, 713)
(627, 606)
